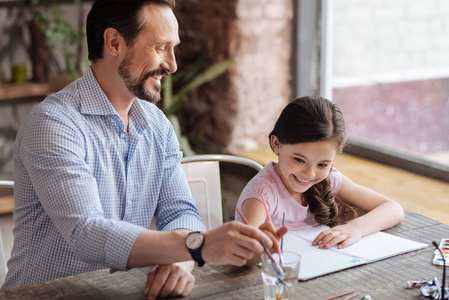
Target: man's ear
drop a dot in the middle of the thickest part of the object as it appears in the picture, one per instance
(112, 41)
(275, 144)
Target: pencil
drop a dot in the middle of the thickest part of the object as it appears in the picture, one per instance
(352, 296)
(338, 296)
(266, 207)
(282, 239)
(280, 272)
(281, 258)
(242, 216)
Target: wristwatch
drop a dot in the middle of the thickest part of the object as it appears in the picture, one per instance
(194, 243)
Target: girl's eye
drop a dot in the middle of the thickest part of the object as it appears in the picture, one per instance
(298, 160)
(323, 165)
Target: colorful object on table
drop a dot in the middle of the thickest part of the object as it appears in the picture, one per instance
(434, 290)
(339, 295)
(352, 296)
(366, 297)
(345, 294)
(439, 258)
(415, 283)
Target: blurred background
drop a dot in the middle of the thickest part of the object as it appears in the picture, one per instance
(241, 61)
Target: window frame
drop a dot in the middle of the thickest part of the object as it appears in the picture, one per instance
(312, 75)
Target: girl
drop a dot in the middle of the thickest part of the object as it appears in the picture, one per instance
(304, 189)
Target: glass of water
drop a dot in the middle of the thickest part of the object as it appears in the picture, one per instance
(280, 284)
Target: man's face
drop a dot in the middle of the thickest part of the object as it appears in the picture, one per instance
(152, 56)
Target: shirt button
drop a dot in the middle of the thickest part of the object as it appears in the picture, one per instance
(122, 135)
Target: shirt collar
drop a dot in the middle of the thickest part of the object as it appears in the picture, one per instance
(93, 99)
(95, 102)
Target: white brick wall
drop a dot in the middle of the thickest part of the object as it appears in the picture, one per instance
(385, 40)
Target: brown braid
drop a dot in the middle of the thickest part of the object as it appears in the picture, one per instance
(327, 209)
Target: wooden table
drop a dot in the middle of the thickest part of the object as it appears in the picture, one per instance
(382, 280)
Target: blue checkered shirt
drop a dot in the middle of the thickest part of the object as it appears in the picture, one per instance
(85, 188)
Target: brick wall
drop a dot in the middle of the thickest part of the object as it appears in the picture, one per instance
(235, 111)
(238, 110)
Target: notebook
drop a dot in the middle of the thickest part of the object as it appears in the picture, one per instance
(316, 262)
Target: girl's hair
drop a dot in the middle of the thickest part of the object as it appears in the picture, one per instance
(315, 119)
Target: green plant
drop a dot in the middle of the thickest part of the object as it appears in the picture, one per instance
(176, 87)
(58, 31)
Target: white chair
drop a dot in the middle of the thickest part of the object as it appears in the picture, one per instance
(205, 173)
(3, 268)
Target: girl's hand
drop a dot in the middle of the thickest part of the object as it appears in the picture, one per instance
(342, 235)
(275, 235)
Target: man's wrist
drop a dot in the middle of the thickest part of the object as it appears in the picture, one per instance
(194, 243)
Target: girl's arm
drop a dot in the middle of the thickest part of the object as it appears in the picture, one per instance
(255, 214)
(382, 213)
(254, 211)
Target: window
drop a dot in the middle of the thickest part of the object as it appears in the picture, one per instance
(386, 64)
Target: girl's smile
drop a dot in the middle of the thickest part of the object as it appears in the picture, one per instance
(302, 165)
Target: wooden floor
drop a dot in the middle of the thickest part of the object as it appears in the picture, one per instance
(415, 193)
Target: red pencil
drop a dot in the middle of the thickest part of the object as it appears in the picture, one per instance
(352, 296)
(266, 208)
(278, 250)
(338, 296)
(242, 216)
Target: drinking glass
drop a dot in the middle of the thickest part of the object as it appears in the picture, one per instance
(280, 284)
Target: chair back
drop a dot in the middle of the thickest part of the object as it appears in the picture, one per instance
(2, 263)
(3, 268)
(204, 182)
(213, 177)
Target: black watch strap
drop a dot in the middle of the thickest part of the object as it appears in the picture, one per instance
(196, 255)
(194, 243)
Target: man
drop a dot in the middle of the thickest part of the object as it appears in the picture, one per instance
(94, 165)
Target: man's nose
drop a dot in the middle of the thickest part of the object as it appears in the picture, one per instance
(169, 62)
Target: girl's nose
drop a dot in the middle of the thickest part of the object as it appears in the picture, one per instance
(309, 172)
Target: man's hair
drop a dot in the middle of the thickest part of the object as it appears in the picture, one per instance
(122, 15)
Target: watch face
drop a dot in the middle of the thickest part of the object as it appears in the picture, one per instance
(194, 240)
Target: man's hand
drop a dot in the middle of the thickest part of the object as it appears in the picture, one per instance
(170, 280)
(233, 243)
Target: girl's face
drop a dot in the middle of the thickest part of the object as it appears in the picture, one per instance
(302, 165)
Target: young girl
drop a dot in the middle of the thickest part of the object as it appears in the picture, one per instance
(304, 189)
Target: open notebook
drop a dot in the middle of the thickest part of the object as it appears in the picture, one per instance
(316, 262)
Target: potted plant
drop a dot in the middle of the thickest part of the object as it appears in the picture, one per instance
(187, 79)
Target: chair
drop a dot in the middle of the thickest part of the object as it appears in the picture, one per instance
(3, 268)
(212, 177)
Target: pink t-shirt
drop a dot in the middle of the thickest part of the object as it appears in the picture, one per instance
(269, 183)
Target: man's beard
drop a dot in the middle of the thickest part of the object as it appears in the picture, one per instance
(137, 87)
